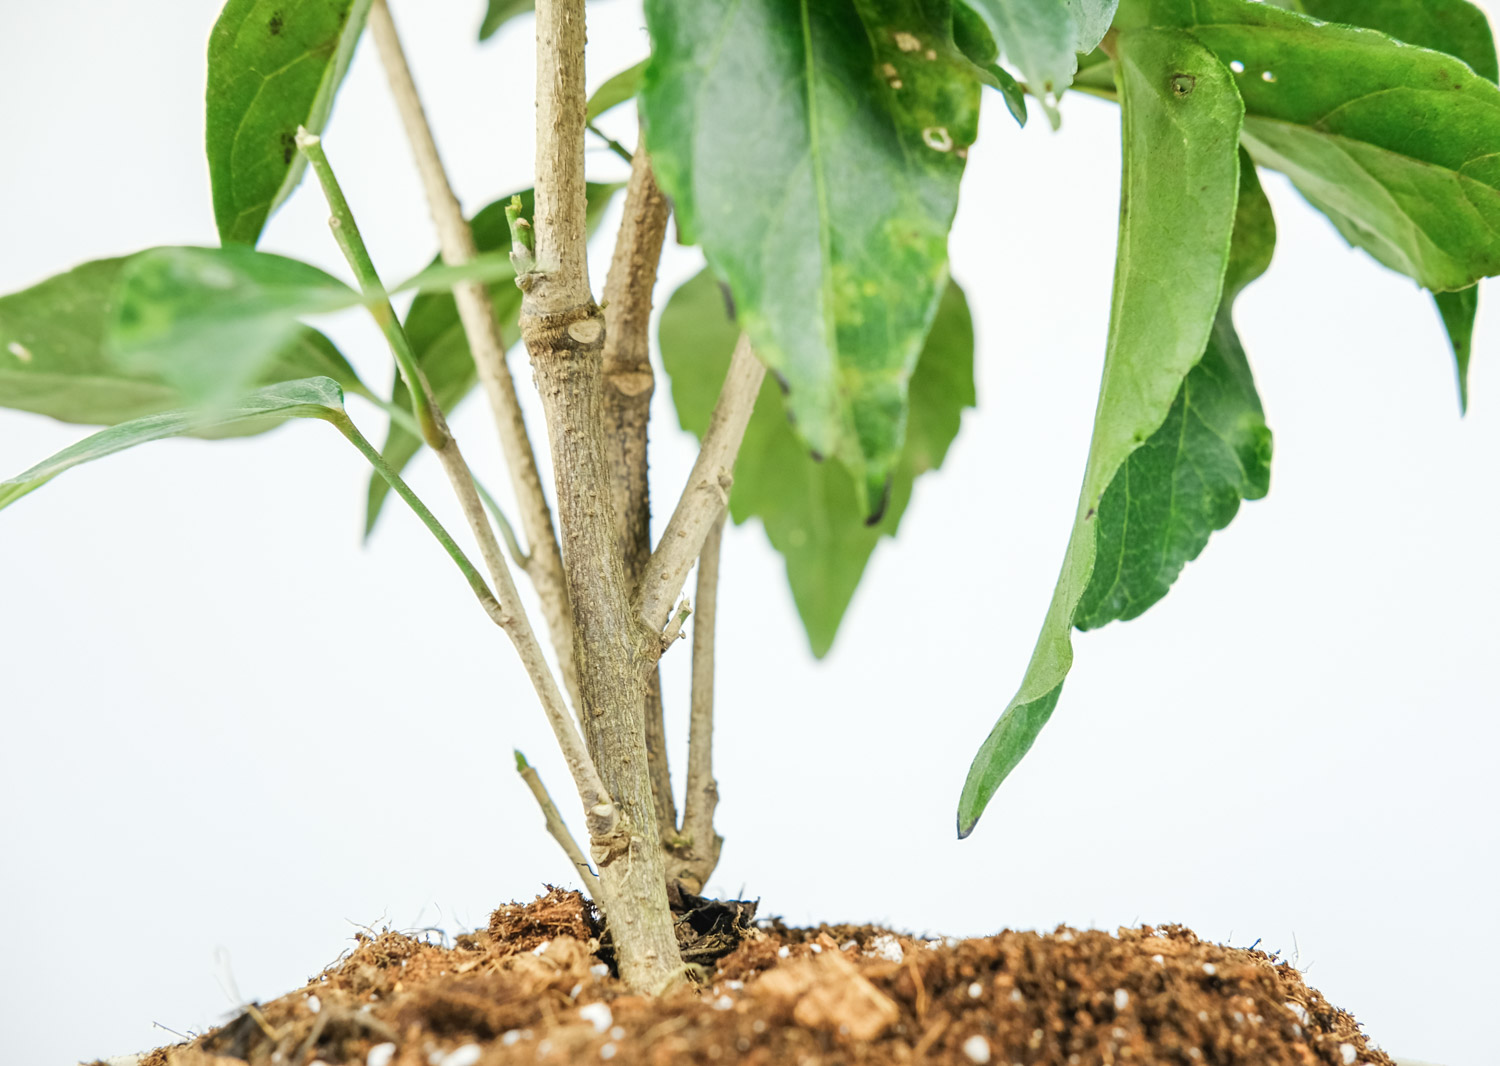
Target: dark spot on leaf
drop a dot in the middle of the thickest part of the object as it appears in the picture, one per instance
(728, 300)
(1089, 515)
(288, 147)
(1182, 84)
(817, 456)
(786, 388)
(276, 24)
(885, 501)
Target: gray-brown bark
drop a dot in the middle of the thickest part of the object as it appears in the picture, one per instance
(564, 332)
(628, 385)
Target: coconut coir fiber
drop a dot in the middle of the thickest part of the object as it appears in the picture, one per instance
(533, 988)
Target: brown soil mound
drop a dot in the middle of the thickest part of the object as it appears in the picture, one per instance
(532, 989)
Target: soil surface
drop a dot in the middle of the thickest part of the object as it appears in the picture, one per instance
(537, 987)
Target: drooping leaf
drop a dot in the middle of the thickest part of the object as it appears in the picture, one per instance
(272, 66)
(500, 12)
(809, 509)
(616, 90)
(821, 192)
(1042, 38)
(272, 405)
(1212, 451)
(437, 335)
(1458, 311)
(54, 361)
(210, 321)
(1181, 118)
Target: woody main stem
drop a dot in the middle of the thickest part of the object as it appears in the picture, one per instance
(564, 332)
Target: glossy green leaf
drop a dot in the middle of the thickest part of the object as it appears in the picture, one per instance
(272, 405)
(437, 336)
(1460, 29)
(1458, 311)
(821, 192)
(209, 321)
(500, 12)
(1453, 26)
(272, 66)
(616, 90)
(809, 509)
(54, 360)
(1400, 146)
(1181, 117)
(1212, 451)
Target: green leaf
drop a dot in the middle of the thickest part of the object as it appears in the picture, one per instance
(210, 321)
(272, 405)
(810, 510)
(437, 335)
(1181, 118)
(1212, 451)
(1460, 29)
(500, 12)
(1453, 26)
(54, 359)
(616, 91)
(272, 66)
(1399, 146)
(1458, 310)
(1042, 38)
(821, 192)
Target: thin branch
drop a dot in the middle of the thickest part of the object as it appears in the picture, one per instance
(603, 816)
(556, 826)
(702, 843)
(707, 488)
(628, 385)
(477, 313)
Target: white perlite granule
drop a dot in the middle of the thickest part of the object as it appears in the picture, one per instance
(977, 1048)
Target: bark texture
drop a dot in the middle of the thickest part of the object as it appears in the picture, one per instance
(564, 332)
(628, 386)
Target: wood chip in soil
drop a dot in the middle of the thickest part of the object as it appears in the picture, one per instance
(532, 989)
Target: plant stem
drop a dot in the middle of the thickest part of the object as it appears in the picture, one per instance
(699, 854)
(477, 313)
(556, 826)
(628, 385)
(707, 488)
(603, 817)
(346, 426)
(564, 332)
(346, 233)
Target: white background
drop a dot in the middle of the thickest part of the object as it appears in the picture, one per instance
(231, 734)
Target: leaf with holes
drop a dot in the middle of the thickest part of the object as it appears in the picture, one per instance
(1182, 119)
(1398, 145)
(810, 510)
(824, 200)
(272, 66)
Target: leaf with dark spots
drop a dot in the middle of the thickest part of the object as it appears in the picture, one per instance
(271, 68)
